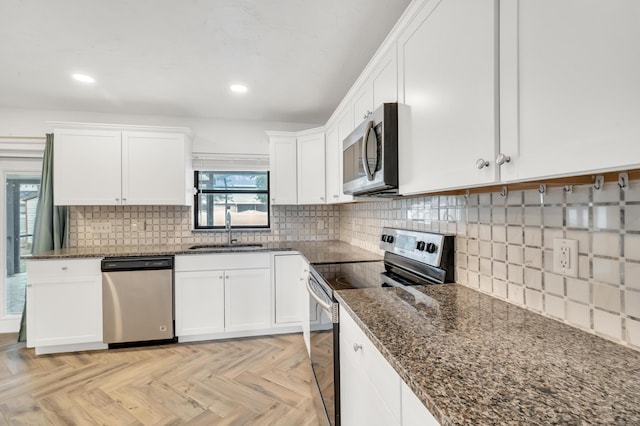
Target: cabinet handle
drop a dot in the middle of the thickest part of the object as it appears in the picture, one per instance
(226, 277)
(501, 159)
(124, 201)
(482, 163)
(29, 285)
(64, 268)
(335, 196)
(221, 277)
(117, 200)
(357, 346)
(322, 198)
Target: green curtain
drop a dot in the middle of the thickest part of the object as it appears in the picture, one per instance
(50, 227)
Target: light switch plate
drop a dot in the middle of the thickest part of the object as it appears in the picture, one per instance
(565, 257)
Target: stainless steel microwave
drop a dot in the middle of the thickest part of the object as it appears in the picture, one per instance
(370, 155)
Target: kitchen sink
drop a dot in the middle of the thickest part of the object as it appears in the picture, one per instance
(223, 246)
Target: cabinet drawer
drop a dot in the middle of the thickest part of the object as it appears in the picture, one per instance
(208, 262)
(46, 270)
(382, 376)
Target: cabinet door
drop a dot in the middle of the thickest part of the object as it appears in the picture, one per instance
(290, 290)
(311, 178)
(570, 98)
(369, 387)
(283, 170)
(154, 168)
(199, 302)
(414, 413)
(384, 81)
(363, 103)
(345, 127)
(86, 167)
(447, 78)
(381, 86)
(247, 299)
(64, 311)
(333, 165)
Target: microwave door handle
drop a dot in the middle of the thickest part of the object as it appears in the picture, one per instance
(365, 145)
(321, 302)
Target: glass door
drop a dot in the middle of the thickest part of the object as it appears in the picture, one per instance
(21, 199)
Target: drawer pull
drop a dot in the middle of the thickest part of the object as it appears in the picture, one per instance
(64, 268)
(356, 347)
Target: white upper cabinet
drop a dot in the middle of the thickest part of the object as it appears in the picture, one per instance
(311, 170)
(570, 96)
(155, 168)
(447, 61)
(297, 167)
(380, 86)
(105, 165)
(87, 167)
(336, 133)
(283, 169)
(333, 164)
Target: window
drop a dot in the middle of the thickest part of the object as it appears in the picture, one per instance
(244, 194)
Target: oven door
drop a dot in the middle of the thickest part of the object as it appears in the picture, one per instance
(324, 352)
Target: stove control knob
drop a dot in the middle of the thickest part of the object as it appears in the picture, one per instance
(421, 245)
(390, 239)
(431, 248)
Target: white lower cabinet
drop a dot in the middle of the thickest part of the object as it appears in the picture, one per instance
(289, 278)
(414, 413)
(222, 295)
(64, 305)
(369, 386)
(247, 299)
(371, 392)
(199, 301)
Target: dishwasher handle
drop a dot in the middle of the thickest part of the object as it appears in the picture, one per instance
(136, 263)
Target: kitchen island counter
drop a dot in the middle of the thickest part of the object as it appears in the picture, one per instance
(473, 359)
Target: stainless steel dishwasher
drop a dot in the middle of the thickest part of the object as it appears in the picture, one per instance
(137, 300)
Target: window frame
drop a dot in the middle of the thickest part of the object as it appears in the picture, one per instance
(197, 192)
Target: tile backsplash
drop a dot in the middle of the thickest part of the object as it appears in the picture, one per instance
(504, 247)
(504, 244)
(166, 225)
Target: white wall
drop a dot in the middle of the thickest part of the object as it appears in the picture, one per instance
(209, 135)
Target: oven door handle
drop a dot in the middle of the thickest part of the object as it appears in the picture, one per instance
(321, 302)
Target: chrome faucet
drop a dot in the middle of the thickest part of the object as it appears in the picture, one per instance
(227, 225)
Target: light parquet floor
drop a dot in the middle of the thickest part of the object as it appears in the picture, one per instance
(256, 381)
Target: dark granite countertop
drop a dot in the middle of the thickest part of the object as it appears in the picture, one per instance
(476, 360)
(316, 252)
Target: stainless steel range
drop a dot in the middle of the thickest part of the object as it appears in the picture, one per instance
(410, 258)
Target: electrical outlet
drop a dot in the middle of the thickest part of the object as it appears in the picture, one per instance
(101, 227)
(565, 257)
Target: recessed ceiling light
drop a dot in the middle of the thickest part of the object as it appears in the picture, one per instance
(84, 78)
(238, 88)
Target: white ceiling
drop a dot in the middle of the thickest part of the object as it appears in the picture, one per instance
(178, 57)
